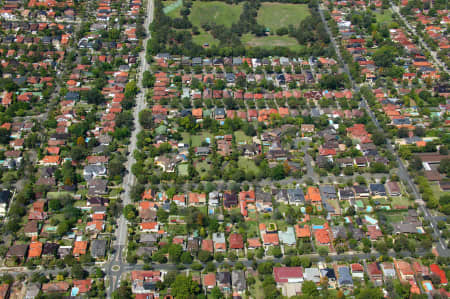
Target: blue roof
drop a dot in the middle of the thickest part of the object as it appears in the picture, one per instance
(345, 277)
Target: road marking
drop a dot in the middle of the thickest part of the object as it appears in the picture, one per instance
(115, 268)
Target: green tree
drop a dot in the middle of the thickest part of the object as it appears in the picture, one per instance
(323, 251)
(216, 293)
(370, 293)
(131, 89)
(184, 287)
(204, 256)
(123, 292)
(309, 289)
(186, 258)
(4, 136)
(146, 118)
(130, 212)
(175, 252)
(384, 56)
(78, 271)
(94, 96)
(148, 79)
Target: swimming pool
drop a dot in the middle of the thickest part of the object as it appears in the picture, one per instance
(369, 209)
(428, 286)
(317, 226)
(74, 291)
(370, 219)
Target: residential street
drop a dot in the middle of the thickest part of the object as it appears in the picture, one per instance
(402, 171)
(421, 41)
(217, 149)
(114, 269)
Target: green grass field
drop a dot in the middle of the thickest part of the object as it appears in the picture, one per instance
(277, 15)
(204, 38)
(202, 167)
(270, 41)
(385, 17)
(214, 11)
(317, 221)
(196, 139)
(172, 8)
(241, 137)
(437, 190)
(394, 217)
(248, 165)
(183, 170)
(400, 201)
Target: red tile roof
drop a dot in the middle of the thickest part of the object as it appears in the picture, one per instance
(83, 285)
(209, 279)
(236, 241)
(208, 245)
(322, 236)
(439, 272)
(284, 274)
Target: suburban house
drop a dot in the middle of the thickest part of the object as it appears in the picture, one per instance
(289, 280)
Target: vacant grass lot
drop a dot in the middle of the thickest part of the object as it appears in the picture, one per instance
(277, 15)
(214, 11)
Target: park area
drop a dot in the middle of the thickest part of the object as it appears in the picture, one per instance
(172, 8)
(277, 15)
(272, 16)
(270, 41)
(214, 12)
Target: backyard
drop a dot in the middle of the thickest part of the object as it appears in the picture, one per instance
(196, 139)
(242, 138)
